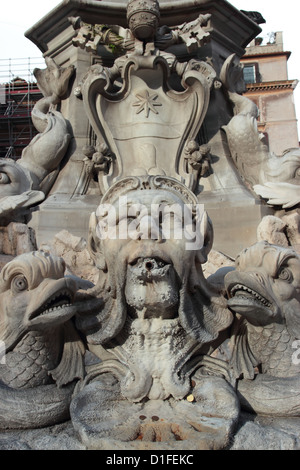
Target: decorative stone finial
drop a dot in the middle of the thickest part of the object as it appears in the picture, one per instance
(143, 17)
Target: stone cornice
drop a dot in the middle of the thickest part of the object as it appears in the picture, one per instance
(236, 27)
(269, 86)
(265, 53)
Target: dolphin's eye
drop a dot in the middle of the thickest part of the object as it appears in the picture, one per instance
(19, 283)
(285, 274)
(4, 179)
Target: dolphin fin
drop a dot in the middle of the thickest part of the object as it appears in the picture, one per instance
(71, 366)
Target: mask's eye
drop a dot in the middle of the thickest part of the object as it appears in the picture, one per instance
(19, 283)
(297, 173)
(285, 274)
(4, 179)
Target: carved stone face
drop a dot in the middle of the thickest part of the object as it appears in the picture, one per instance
(153, 276)
(149, 250)
(266, 285)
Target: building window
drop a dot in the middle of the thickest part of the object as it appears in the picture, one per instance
(250, 73)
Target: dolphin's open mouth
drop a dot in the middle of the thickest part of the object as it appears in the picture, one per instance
(244, 295)
(57, 308)
(57, 301)
(249, 295)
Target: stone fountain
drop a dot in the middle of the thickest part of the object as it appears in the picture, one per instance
(150, 282)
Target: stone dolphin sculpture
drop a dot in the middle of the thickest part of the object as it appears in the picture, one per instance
(264, 291)
(43, 352)
(27, 181)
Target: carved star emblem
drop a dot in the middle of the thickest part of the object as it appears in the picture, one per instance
(146, 102)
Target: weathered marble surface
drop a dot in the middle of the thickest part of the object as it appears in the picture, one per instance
(227, 31)
(253, 433)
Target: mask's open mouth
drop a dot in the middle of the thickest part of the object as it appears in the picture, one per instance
(151, 288)
(149, 268)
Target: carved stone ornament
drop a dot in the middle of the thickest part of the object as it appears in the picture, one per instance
(140, 121)
(143, 18)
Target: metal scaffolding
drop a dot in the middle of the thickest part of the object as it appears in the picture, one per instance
(18, 95)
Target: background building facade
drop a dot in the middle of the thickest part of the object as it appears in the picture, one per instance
(268, 85)
(19, 93)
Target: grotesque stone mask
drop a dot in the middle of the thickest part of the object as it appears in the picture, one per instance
(153, 271)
